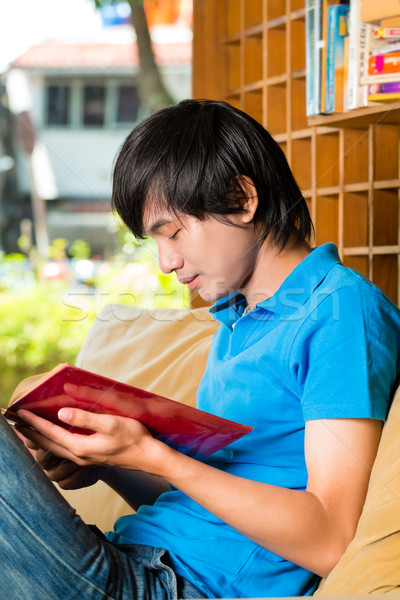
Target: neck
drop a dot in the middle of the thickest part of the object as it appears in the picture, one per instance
(272, 268)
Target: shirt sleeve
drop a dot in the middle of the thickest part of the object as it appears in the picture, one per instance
(344, 358)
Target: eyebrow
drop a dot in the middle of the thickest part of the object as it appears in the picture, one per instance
(157, 225)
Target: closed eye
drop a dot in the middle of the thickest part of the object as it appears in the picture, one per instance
(174, 236)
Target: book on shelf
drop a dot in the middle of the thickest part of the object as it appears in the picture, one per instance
(384, 92)
(345, 57)
(384, 64)
(387, 33)
(313, 57)
(394, 97)
(187, 429)
(355, 94)
(311, 83)
(335, 61)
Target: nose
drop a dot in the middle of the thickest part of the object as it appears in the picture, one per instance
(169, 260)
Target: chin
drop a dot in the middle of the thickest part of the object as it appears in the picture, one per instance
(212, 296)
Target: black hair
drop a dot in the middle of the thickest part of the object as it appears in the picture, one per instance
(190, 158)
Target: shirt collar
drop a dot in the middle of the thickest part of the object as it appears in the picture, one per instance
(293, 293)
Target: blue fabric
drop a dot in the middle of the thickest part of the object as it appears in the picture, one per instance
(326, 345)
(47, 551)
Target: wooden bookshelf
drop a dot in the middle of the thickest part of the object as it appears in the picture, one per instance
(251, 53)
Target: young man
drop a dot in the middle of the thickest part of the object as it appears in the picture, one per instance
(307, 353)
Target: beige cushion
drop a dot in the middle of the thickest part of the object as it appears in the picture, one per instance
(371, 563)
(164, 351)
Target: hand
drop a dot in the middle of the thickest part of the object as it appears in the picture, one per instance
(116, 441)
(67, 474)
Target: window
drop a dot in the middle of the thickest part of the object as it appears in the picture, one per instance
(128, 104)
(98, 102)
(58, 99)
(94, 104)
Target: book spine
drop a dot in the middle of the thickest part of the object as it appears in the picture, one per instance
(392, 97)
(323, 46)
(337, 30)
(380, 64)
(355, 41)
(375, 79)
(386, 48)
(385, 33)
(318, 54)
(310, 58)
(385, 88)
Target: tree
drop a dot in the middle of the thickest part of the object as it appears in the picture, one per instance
(152, 91)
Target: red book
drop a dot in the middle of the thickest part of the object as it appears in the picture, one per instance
(187, 429)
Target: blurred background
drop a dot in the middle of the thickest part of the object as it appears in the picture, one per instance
(75, 77)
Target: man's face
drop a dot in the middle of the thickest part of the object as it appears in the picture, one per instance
(210, 256)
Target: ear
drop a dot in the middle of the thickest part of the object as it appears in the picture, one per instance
(249, 199)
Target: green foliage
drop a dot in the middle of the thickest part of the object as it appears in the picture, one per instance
(80, 249)
(43, 323)
(37, 331)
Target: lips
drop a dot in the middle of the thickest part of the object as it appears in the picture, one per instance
(189, 281)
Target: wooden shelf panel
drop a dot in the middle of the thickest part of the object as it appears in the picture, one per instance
(375, 250)
(360, 118)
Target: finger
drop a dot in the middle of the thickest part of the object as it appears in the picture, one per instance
(48, 460)
(82, 478)
(48, 436)
(85, 392)
(97, 422)
(64, 470)
(32, 438)
(44, 427)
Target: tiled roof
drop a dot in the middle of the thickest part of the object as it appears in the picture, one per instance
(87, 56)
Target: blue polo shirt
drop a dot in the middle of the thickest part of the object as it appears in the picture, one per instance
(325, 345)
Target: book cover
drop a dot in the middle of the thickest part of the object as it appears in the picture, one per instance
(381, 64)
(187, 429)
(337, 31)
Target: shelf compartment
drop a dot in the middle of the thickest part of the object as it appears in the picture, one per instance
(297, 6)
(297, 46)
(276, 52)
(233, 17)
(385, 272)
(298, 104)
(276, 10)
(327, 220)
(253, 13)
(253, 105)
(253, 60)
(327, 164)
(276, 120)
(301, 160)
(358, 263)
(385, 217)
(233, 66)
(355, 156)
(233, 99)
(355, 220)
(386, 156)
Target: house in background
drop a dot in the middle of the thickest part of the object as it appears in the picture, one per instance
(83, 103)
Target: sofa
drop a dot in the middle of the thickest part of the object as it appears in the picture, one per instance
(165, 351)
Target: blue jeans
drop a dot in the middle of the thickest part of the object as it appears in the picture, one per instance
(47, 551)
